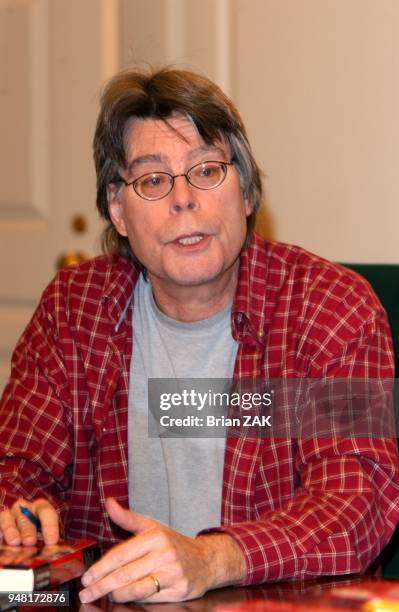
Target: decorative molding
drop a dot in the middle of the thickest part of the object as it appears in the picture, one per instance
(223, 45)
(110, 37)
(39, 108)
(35, 204)
(218, 32)
(175, 27)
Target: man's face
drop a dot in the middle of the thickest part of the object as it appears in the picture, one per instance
(191, 237)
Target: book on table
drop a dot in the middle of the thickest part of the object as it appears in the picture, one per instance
(39, 567)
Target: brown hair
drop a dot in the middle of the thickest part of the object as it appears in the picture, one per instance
(158, 94)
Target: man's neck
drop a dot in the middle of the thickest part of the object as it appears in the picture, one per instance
(190, 304)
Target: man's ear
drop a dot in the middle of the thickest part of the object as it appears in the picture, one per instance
(115, 208)
(248, 206)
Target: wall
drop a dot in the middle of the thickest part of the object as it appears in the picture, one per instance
(316, 81)
(317, 84)
(54, 56)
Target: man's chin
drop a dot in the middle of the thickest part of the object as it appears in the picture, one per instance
(189, 278)
(193, 280)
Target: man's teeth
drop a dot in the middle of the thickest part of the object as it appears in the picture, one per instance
(190, 239)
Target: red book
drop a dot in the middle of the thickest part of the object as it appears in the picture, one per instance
(34, 568)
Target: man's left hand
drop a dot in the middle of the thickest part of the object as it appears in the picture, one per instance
(159, 564)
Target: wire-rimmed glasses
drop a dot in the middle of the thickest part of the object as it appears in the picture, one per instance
(157, 185)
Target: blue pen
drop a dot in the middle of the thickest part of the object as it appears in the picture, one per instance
(31, 517)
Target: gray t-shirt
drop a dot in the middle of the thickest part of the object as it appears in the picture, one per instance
(175, 480)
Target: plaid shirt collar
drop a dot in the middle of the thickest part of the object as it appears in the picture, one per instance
(118, 292)
(251, 295)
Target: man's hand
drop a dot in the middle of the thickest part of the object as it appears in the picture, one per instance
(16, 529)
(184, 568)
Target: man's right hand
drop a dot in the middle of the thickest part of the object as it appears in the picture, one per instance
(17, 529)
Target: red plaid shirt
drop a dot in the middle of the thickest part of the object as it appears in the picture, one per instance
(297, 508)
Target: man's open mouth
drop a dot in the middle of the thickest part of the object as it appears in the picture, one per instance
(190, 239)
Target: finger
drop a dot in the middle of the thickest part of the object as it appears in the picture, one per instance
(111, 579)
(47, 515)
(49, 520)
(145, 590)
(137, 548)
(124, 585)
(9, 529)
(127, 519)
(27, 530)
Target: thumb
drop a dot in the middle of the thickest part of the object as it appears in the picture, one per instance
(127, 519)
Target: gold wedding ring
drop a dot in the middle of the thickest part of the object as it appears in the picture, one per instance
(156, 583)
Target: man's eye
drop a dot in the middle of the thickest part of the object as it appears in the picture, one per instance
(208, 171)
(152, 181)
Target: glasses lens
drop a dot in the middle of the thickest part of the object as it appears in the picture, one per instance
(207, 175)
(153, 186)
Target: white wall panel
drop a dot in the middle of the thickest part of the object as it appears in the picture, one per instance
(317, 84)
(54, 57)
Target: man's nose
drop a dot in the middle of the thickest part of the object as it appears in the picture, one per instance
(184, 196)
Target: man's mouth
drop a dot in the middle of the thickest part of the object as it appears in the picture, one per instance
(185, 240)
(192, 241)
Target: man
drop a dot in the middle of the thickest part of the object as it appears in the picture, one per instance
(189, 291)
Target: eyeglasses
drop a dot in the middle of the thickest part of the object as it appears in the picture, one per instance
(157, 185)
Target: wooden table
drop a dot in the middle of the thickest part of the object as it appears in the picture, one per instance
(306, 592)
(293, 596)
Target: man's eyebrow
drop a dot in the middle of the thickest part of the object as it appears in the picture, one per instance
(142, 159)
(206, 149)
(158, 157)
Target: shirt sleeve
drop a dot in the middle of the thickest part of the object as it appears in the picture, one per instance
(35, 441)
(344, 506)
